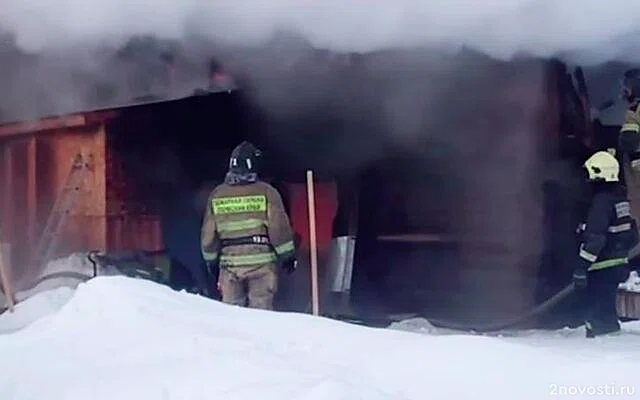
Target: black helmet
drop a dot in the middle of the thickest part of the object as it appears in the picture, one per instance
(631, 84)
(244, 159)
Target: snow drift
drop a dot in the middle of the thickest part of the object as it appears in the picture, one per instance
(39, 305)
(122, 338)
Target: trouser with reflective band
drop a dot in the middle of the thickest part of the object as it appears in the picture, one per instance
(252, 286)
(601, 296)
(270, 255)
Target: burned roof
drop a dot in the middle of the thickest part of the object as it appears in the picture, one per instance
(141, 101)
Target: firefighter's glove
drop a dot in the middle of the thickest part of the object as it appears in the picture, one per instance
(580, 279)
(290, 266)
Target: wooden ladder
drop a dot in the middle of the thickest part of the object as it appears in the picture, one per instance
(64, 204)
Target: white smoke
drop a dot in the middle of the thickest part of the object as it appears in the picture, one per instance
(597, 30)
(75, 40)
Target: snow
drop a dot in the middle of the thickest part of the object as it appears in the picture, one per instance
(39, 306)
(123, 338)
(76, 263)
(632, 284)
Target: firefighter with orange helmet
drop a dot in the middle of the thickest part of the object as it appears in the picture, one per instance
(247, 233)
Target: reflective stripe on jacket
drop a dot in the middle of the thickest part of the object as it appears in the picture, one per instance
(237, 211)
(610, 231)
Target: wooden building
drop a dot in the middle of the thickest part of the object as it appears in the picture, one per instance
(473, 241)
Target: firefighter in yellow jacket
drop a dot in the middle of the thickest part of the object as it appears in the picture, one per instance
(629, 139)
(247, 233)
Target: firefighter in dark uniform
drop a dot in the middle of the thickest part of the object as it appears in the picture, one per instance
(247, 233)
(606, 238)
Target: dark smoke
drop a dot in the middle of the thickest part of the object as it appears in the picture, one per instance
(468, 121)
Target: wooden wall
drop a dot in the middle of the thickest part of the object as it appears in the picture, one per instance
(35, 167)
(131, 224)
(18, 185)
(86, 227)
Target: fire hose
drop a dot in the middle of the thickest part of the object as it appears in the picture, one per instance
(512, 322)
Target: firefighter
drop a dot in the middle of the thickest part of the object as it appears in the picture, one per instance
(606, 238)
(629, 138)
(247, 233)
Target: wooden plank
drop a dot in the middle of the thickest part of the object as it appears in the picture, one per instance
(313, 242)
(8, 211)
(22, 128)
(32, 194)
(96, 195)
